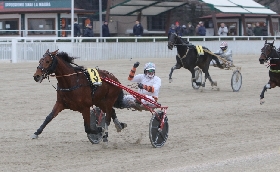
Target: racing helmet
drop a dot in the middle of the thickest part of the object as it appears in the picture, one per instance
(149, 70)
(224, 45)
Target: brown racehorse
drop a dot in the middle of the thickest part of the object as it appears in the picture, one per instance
(76, 92)
(269, 53)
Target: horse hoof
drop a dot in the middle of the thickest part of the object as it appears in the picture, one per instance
(170, 80)
(95, 138)
(105, 145)
(262, 101)
(105, 140)
(119, 125)
(214, 83)
(124, 125)
(34, 136)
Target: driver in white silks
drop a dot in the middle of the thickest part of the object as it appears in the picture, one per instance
(224, 52)
(148, 84)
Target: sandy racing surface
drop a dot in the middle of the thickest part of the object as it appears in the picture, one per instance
(209, 131)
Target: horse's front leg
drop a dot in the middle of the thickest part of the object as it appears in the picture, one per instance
(269, 85)
(56, 109)
(176, 66)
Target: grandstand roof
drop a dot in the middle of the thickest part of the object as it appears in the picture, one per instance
(155, 7)
(147, 7)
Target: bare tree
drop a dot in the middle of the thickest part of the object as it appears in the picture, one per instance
(272, 4)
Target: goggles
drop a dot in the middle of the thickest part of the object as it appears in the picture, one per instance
(150, 70)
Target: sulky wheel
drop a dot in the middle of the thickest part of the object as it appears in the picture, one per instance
(236, 81)
(158, 137)
(198, 78)
(97, 122)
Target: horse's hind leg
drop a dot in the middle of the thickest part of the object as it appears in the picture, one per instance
(86, 115)
(111, 114)
(193, 78)
(57, 108)
(119, 125)
(207, 76)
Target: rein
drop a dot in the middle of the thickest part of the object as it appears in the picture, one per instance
(181, 45)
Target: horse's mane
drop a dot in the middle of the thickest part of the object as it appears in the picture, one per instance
(64, 56)
(183, 41)
(190, 45)
(105, 71)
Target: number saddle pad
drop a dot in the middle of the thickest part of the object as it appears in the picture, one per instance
(94, 77)
(199, 50)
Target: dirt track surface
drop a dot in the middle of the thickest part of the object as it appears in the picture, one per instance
(209, 131)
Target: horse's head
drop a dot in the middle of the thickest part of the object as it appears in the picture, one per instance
(172, 40)
(266, 51)
(47, 65)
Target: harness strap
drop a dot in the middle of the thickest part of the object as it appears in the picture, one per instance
(274, 71)
(181, 58)
(65, 75)
(69, 89)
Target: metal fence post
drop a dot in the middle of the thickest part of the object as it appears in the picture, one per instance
(14, 51)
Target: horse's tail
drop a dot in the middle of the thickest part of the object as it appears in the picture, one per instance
(119, 101)
(217, 61)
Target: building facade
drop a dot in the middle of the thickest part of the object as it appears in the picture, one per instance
(235, 25)
(41, 18)
(52, 18)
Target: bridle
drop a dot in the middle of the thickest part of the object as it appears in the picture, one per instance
(175, 39)
(171, 43)
(51, 68)
(268, 55)
(264, 50)
(46, 72)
